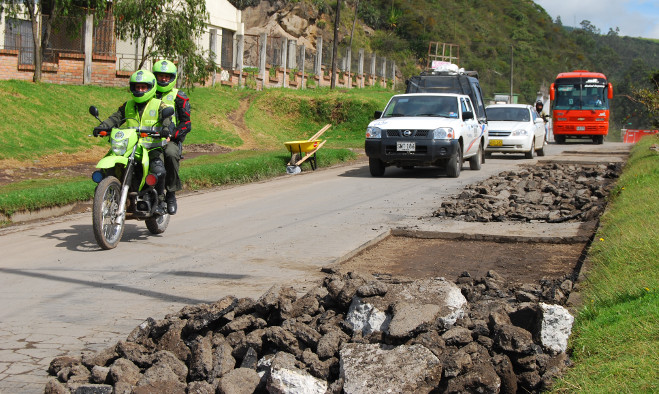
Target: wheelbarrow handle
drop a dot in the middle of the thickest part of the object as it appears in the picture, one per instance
(320, 132)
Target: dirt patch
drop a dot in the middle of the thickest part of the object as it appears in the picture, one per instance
(519, 262)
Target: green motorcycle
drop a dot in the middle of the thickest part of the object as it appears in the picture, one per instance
(125, 188)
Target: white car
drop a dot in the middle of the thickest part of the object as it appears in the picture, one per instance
(515, 128)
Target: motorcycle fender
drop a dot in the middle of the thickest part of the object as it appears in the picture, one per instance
(111, 161)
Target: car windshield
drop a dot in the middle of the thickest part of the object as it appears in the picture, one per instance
(422, 106)
(508, 114)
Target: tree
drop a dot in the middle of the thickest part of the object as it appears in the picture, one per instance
(649, 98)
(48, 11)
(168, 29)
(335, 44)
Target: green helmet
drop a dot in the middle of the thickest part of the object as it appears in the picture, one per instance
(168, 69)
(143, 76)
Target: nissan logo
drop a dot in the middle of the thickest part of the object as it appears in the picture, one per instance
(407, 133)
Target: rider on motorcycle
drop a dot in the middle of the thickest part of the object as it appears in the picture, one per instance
(143, 109)
(165, 72)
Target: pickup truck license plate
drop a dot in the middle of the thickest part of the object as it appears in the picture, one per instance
(581, 128)
(405, 146)
(495, 143)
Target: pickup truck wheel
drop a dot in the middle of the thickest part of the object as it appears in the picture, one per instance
(376, 167)
(454, 165)
(476, 160)
(531, 152)
(598, 139)
(560, 139)
(488, 155)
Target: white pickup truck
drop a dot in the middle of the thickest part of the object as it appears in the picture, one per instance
(426, 129)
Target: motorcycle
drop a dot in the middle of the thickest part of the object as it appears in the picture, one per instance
(125, 188)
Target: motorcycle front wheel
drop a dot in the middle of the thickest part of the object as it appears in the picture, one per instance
(105, 212)
(157, 224)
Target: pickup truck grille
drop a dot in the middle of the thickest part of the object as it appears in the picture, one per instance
(415, 133)
(496, 133)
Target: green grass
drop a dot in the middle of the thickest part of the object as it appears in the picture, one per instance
(35, 194)
(615, 339)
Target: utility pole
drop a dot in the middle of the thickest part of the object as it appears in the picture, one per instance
(510, 101)
(335, 44)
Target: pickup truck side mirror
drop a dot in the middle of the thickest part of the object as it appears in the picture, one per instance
(467, 115)
(377, 114)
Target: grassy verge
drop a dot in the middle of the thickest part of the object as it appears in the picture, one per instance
(201, 172)
(615, 339)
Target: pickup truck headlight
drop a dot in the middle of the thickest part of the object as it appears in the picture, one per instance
(443, 133)
(519, 132)
(373, 132)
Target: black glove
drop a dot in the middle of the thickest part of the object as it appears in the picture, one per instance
(98, 129)
(167, 132)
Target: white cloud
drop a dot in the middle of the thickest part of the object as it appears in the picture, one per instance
(635, 18)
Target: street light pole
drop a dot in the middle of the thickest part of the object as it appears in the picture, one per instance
(511, 74)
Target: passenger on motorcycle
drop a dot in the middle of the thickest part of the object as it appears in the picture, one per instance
(141, 110)
(165, 72)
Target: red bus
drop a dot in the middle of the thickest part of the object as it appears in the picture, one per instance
(580, 105)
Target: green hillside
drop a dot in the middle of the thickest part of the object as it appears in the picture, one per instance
(488, 32)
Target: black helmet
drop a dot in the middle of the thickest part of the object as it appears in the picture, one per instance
(539, 104)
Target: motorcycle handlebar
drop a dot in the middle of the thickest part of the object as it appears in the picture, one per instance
(151, 131)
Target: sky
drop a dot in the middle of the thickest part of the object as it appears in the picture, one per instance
(635, 18)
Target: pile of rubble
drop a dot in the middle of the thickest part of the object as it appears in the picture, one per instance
(551, 193)
(353, 333)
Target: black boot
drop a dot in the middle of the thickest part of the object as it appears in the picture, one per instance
(170, 198)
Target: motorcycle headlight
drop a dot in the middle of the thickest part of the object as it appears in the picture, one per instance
(373, 132)
(519, 132)
(443, 133)
(119, 147)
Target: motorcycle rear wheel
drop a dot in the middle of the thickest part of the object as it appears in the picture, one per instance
(105, 212)
(157, 224)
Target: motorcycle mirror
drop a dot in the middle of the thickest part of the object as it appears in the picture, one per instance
(167, 112)
(93, 111)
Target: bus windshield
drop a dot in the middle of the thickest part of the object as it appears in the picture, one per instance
(581, 93)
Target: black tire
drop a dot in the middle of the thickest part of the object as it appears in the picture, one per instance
(560, 139)
(376, 167)
(105, 212)
(454, 164)
(488, 155)
(541, 151)
(531, 153)
(598, 139)
(475, 161)
(157, 224)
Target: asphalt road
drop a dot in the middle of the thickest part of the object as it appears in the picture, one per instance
(62, 295)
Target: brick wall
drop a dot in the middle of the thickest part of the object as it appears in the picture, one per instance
(68, 70)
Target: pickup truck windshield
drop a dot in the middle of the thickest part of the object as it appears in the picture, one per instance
(422, 106)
